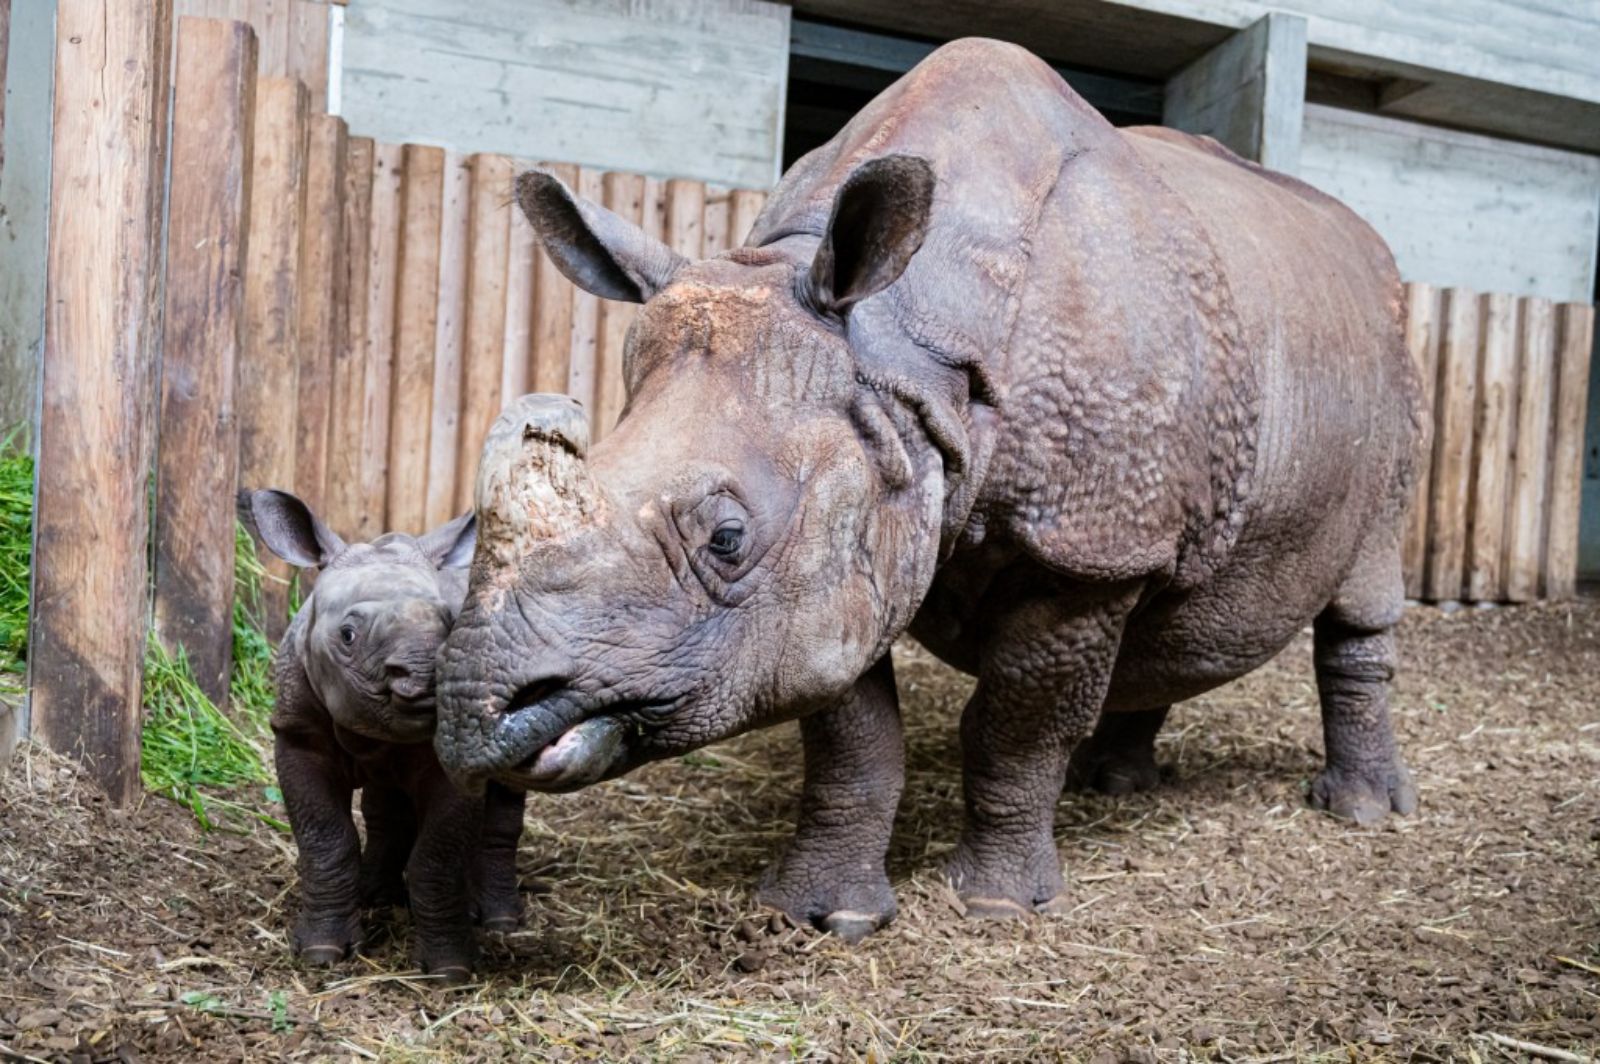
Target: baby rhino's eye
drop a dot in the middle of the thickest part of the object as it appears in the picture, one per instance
(347, 634)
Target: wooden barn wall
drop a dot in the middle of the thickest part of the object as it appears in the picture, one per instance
(690, 88)
(1460, 209)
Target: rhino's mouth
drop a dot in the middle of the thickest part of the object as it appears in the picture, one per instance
(604, 741)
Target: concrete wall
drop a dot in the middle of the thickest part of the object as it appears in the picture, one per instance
(677, 88)
(24, 199)
(1461, 209)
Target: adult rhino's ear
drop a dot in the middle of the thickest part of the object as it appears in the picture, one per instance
(450, 546)
(879, 219)
(596, 250)
(289, 528)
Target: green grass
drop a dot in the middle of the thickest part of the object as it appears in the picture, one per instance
(214, 763)
(190, 750)
(16, 535)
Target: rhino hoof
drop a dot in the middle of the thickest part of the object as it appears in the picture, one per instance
(852, 926)
(501, 924)
(1367, 801)
(322, 955)
(978, 907)
(451, 974)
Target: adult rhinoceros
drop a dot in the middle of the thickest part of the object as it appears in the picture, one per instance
(1102, 417)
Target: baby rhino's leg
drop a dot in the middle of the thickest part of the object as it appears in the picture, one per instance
(438, 873)
(1364, 778)
(499, 905)
(391, 830)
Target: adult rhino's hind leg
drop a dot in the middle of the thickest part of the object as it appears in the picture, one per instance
(1364, 778)
(1120, 757)
(832, 874)
(1041, 684)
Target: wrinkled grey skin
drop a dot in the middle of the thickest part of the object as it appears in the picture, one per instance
(355, 710)
(1102, 417)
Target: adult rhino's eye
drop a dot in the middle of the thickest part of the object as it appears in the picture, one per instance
(727, 539)
(347, 634)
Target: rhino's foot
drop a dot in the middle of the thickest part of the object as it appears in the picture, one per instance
(499, 911)
(321, 942)
(447, 957)
(1365, 797)
(850, 903)
(1116, 771)
(992, 887)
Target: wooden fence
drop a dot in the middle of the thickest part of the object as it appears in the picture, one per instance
(381, 303)
(344, 318)
(1495, 514)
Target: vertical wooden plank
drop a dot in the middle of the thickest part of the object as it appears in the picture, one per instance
(445, 435)
(1536, 393)
(522, 263)
(347, 427)
(322, 298)
(1493, 428)
(686, 208)
(1452, 446)
(102, 321)
(483, 347)
(1574, 348)
(213, 112)
(624, 196)
(415, 333)
(1422, 340)
(268, 371)
(383, 284)
(718, 220)
(308, 48)
(552, 313)
(585, 315)
(1525, 514)
(747, 204)
(273, 24)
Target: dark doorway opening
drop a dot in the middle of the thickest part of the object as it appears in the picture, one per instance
(834, 70)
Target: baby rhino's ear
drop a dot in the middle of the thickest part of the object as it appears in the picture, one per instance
(450, 546)
(289, 528)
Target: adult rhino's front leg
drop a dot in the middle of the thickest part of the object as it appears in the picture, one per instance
(1041, 683)
(832, 875)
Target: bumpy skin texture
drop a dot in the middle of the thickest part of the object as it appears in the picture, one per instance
(359, 715)
(1102, 417)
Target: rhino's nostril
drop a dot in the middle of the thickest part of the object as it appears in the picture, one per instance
(397, 670)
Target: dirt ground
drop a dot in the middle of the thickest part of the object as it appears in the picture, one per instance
(1215, 919)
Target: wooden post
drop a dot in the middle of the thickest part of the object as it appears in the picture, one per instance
(1525, 534)
(1248, 92)
(383, 284)
(416, 332)
(268, 371)
(308, 48)
(719, 220)
(1576, 343)
(92, 517)
(445, 435)
(686, 210)
(1494, 426)
(1422, 340)
(585, 315)
(552, 313)
(624, 197)
(522, 265)
(213, 116)
(322, 299)
(747, 204)
(348, 428)
(274, 28)
(483, 350)
(1452, 446)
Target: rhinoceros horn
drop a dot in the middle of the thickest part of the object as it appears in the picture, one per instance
(533, 484)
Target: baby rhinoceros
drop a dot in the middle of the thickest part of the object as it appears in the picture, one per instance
(355, 710)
